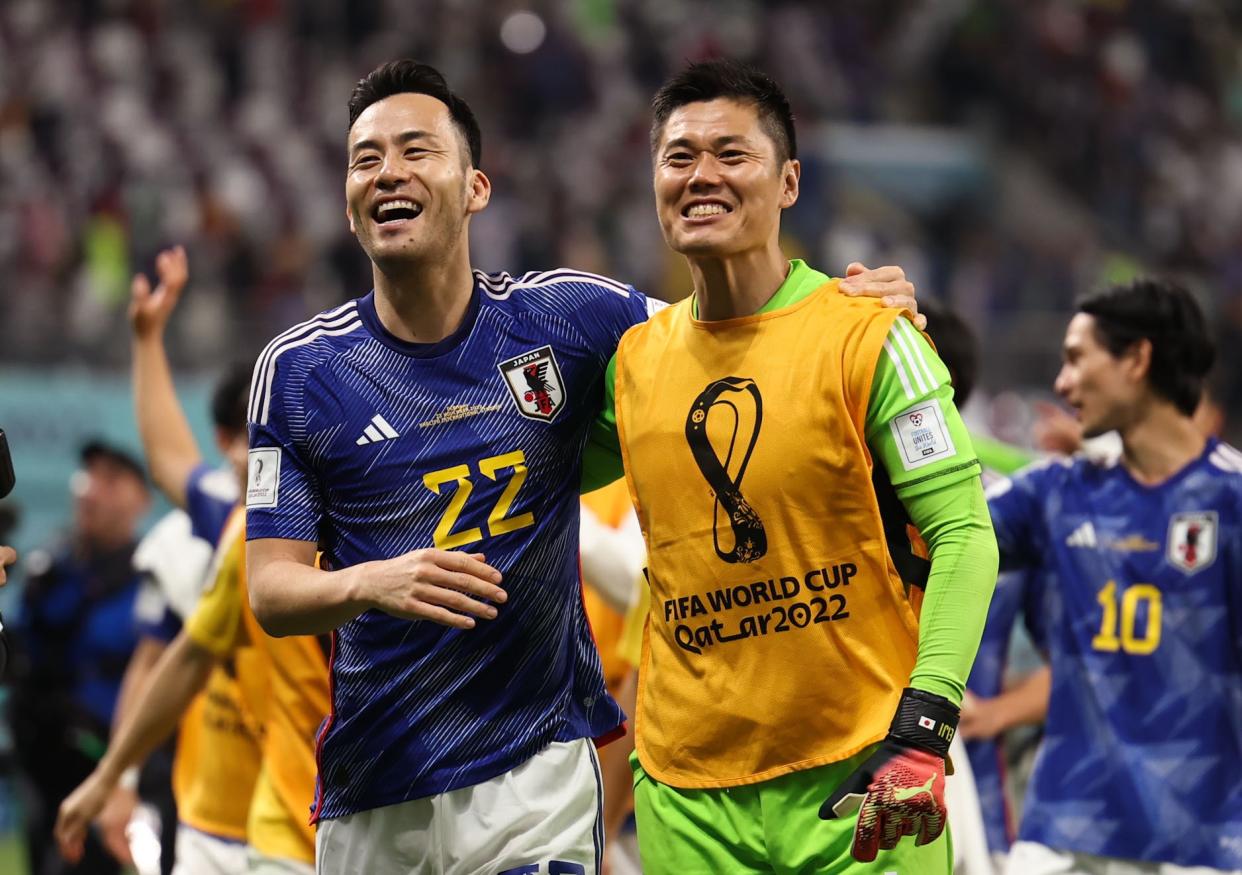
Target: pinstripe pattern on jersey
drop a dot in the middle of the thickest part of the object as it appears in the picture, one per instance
(331, 323)
(420, 709)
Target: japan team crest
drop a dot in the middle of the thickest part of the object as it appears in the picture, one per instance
(1192, 540)
(534, 381)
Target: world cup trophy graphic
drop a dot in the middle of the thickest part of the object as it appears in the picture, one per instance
(750, 541)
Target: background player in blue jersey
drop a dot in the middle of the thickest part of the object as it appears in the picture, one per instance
(976, 796)
(1141, 766)
(444, 413)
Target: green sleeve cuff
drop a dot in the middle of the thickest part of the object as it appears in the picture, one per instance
(601, 458)
(954, 521)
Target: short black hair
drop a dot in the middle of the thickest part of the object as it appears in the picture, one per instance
(1166, 314)
(98, 449)
(231, 397)
(710, 80)
(411, 77)
(956, 345)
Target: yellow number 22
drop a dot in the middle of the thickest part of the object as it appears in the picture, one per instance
(498, 523)
(1130, 641)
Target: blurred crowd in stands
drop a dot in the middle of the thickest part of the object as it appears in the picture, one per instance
(1103, 134)
(1010, 154)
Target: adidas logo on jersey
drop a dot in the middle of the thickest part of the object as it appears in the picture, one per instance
(378, 430)
(1083, 536)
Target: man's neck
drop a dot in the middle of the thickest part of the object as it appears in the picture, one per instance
(737, 285)
(1160, 443)
(423, 303)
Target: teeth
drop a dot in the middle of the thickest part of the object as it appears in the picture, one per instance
(397, 205)
(705, 210)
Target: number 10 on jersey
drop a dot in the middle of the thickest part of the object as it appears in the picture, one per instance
(1130, 640)
(498, 521)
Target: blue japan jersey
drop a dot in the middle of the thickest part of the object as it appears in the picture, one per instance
(1142, 753)
(1017, 594)
(373, 447)
(987, 676)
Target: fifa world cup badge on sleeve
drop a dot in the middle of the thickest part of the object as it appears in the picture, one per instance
(263, 477)
(922, 435)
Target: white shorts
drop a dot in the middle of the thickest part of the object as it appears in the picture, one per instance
(970, 841)
(1029, 858)
(542, 818)
(199, 853)
(261, 864)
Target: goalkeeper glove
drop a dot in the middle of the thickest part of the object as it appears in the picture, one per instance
(899, 790)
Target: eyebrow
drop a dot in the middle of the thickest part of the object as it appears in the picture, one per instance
(725, 140)
(402, 138)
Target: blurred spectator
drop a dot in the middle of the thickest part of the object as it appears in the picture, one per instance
(74, 638)
(229, 135)
(7, 557)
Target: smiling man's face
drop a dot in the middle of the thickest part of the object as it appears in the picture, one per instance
(719, 183)
(409, 184)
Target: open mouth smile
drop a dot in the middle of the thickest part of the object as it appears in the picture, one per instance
(705, 210)
(394, 211)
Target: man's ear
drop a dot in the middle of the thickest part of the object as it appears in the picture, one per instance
(791, 176)
(480, 191)
(349, 217)
(1138, 359)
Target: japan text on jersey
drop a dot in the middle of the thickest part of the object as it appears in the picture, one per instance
(1142, 756)
(373, 447)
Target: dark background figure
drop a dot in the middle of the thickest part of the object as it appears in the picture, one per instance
(74, 637)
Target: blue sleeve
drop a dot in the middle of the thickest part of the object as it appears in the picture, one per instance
(210, 495)
(619, 307)
(1038, 588)
(282, 491)
(1016, 505)
(164, 629)
(1233, 556)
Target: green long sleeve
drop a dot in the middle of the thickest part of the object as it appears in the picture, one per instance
(601, 458)
(955, 523)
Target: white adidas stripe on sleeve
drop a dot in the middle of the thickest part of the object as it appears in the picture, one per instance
(265, 373)
(900, 367)
(903, 326)
(329, 319)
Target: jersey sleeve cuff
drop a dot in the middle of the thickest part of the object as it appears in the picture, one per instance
(938, 479)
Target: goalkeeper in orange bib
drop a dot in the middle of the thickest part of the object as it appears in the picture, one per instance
(794, 712)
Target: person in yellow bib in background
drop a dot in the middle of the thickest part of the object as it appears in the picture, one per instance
(195, 662)
(284, 689)
(282, 838)
(612, 555)
(217, 753)
(290, 706)
(785, 675)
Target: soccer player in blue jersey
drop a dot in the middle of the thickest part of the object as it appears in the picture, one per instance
(980, 804)
(1141, 766)
(425, 438)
